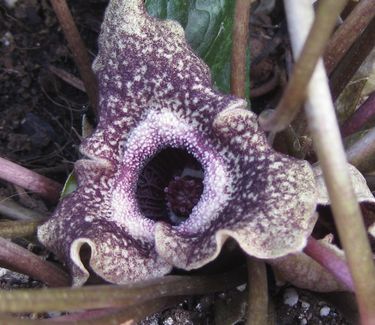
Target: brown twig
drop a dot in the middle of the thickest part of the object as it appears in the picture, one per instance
(348, 32)
(327, 141)
(68, 78)
(258, 292)
(29, 180)
(314, 46)
(364, 114)
(362, 153)
(239, 47)
(79, 51)
(110, 296)
(21, 260)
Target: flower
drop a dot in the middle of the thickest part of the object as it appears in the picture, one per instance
(174, 168)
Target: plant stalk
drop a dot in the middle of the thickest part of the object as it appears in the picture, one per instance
(127, 316)
(111, 296)
(21, 260)
(348, 32)
(258, 292)
(29, 180)
(240, 47)
(352, 60)
(79, 51)
(295, 92)
(13, 210)
(330, 261)
(330, 151)
(364, 114)
(362, 153)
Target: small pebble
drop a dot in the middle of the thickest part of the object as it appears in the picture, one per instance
(3, 272)
(324, 312)
(290, 297)
(10, 3)
(305, 305)
(303, 321)
(242, 287)
(168, 321)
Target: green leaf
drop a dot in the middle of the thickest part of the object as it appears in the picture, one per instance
(208, 28)
(70, 185)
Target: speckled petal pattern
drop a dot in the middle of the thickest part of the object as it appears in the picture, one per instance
(361, 189)
(269, 207)
(155, 93)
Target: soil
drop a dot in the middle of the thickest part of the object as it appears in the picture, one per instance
(40, 128)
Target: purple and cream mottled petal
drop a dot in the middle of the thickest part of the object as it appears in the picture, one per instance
(145, 64)
(270, 204)
(155, 93)
(115, 256)
(361, 189)
(86, 217)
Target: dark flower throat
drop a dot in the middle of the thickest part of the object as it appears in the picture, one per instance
(170, 185)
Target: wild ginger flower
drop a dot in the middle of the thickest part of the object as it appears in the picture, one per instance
(174, 168)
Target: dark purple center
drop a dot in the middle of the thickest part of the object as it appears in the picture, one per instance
(170, 185)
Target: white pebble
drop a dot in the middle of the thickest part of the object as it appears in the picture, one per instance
(305, 305)
(10, 3)
(324, 312)
(290, 297)
(168, 321)
(242, 287)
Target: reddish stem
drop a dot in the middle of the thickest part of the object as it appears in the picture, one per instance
(348, 32)
(360, 117)
(23, 261)
(352, 60)
(362, 153)
(240, 44)
(29, 180)
(79, 51)
(329, 260)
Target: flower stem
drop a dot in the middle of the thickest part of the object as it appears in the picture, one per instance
(15, 229)
(21, 260)
(329, 260)
(303, 69)
(239, 47)
(327, 141)
(362, 153)
(257, 278)
(79, 51)
(110, 296)
(13, 210)
(348, 32)
(102, 317)
(29, 180)
(352, 60)
(258, 292)
(364, 114)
